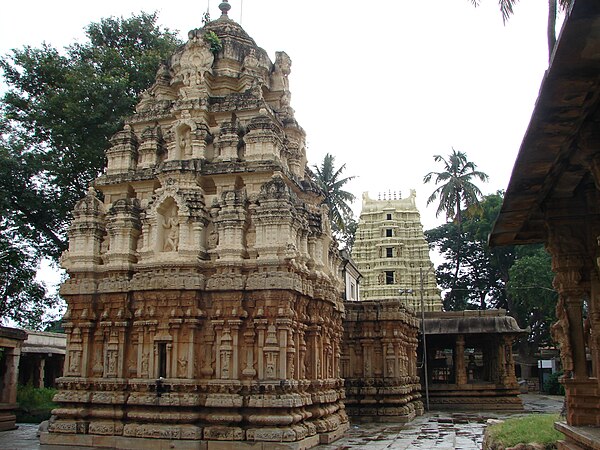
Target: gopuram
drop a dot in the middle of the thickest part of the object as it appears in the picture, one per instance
(204, 299)
(392, 254)
(467, 363)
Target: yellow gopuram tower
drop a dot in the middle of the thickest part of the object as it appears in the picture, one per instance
(392, 255)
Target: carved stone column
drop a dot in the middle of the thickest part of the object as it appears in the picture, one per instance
(592, 333)
(459, 360)
(567, 246)
(509, 361)
(568, 330)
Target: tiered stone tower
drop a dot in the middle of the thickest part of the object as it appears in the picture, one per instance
(204, 300)
(391, 253)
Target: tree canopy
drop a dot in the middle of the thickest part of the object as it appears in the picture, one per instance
(518, 279)
(59, 111)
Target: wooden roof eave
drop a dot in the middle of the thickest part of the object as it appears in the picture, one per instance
(568, 95)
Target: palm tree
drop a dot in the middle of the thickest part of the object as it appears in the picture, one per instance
(337, 200)
(455, 192)
(506, 8)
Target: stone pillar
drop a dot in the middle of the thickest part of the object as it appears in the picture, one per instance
(509, 361)
(501, 362)
(39, 372)
(568, 330)
(11, 376)
(459, 360)
(592, 333)
(568, 246)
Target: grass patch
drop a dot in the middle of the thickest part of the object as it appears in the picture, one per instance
(35, 404)
(538, 428)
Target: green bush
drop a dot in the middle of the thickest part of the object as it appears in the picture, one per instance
(533, 428)
(552, 385)
(35, 404)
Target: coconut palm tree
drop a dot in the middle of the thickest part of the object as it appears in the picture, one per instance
(456, 191)
(506, 8)
(330, 180)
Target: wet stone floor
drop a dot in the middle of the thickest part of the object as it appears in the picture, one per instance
(431, 431)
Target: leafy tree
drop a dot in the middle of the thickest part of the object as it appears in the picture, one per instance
(480, 280)
(533, 297)
(507, 10)
(456, 191)
(338, 200)
(23, 299)
(346, 237)
(517, 278)
(57, 116)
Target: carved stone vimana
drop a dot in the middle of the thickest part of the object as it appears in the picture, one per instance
(392, 254)
(204, 300)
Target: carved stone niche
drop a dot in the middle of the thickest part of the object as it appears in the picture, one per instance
(168, 226)
(190, 140)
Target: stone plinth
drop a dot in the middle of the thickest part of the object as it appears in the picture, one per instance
(204, 299)
(379, 353)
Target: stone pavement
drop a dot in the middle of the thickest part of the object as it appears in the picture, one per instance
(434, 430)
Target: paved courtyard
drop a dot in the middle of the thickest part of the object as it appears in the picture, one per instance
(434, 430)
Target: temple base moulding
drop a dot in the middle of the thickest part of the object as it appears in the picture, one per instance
(54, 441)
(7, 416)
(583, 401)
(578, 438)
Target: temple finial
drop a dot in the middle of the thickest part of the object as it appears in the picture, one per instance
(224, 7)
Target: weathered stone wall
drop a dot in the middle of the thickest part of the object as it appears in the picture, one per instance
(204, 300)
(379, 361)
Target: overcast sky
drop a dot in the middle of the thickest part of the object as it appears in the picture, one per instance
(383, 86)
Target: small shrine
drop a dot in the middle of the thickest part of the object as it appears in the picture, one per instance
(204, 298)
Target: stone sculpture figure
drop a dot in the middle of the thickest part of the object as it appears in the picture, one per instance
(144, 364)
(560, 333)
(171, 226)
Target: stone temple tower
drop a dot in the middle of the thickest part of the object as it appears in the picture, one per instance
(392, 255)
(204, 300)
